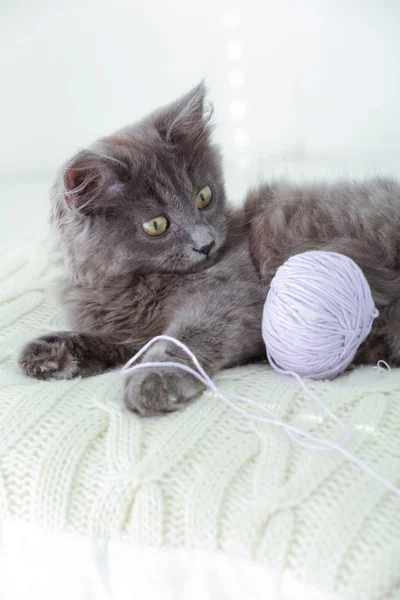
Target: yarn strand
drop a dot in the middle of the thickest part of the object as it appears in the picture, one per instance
(273, 419)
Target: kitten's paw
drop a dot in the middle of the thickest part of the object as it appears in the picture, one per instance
(50, 357)
(151, 394)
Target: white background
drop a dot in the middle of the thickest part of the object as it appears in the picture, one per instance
(305, 88)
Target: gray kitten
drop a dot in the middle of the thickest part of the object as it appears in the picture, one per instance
(150, 247)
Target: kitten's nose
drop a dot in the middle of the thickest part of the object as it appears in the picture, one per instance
(206, 248)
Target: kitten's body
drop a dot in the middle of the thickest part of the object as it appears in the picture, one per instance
(121, 288)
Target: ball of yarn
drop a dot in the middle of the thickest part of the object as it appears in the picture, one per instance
(318, 311)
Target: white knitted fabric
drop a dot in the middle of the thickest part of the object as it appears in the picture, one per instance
(72, 458)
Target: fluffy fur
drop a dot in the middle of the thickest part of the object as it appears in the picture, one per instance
(122, 287)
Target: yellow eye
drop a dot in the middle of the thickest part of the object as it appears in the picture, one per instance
(204, 197)
(155, 226)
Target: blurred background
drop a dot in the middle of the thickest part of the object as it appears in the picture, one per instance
(301, 88)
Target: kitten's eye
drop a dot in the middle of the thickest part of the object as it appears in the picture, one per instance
(155, 226)
(204, 197)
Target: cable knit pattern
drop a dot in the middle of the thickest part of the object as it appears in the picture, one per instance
(71, 457)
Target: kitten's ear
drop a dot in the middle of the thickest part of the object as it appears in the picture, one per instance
(93, 181)
(185, 120)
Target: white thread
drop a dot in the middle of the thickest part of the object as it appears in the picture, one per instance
(384, 368)
(202, 376)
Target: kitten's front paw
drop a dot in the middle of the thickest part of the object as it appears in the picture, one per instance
(49, 357)
(150, 394)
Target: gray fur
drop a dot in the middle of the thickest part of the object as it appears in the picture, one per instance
(121, 287)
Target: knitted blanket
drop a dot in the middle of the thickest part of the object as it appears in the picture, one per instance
(72, 458)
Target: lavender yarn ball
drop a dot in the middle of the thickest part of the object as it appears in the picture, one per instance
(318, 311)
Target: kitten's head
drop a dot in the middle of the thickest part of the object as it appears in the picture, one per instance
(149, 198)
